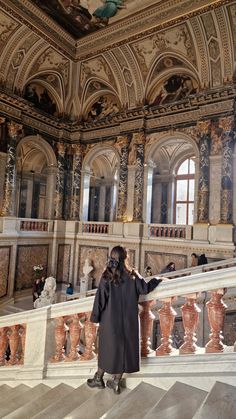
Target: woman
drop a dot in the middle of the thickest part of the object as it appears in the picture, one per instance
(168, 268)
(116, 310)
(69, 289)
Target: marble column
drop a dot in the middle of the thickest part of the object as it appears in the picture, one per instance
(51, 173)
(138, 142)
(102, 202)
(226, 211)
(9, 197)
(122, 143)
(147, 188)
(76, 182)
(60, 181)
(203, 182)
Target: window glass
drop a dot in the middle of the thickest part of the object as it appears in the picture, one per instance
(191, 190)
(192, 166)
(181, 211)
(181, 194)
(183, 169)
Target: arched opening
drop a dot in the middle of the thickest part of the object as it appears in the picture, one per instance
(173, 180)
(100, 180)
(36, 171)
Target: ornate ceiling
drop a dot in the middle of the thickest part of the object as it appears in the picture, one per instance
(155, 55)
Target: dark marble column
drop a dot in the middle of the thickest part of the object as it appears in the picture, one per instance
(138, 144)
(226, 211)
(76, 181)
(60, 181)
(122, 144)
(204, 163)
(9, 198)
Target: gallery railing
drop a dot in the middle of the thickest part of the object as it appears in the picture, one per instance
(53, 334)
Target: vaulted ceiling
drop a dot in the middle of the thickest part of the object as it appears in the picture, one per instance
(134, 59)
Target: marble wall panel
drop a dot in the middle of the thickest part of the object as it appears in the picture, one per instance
(27, 257)
(158, 261)
(63, 262)
(97, 257)
(4, 269)
(229, 329)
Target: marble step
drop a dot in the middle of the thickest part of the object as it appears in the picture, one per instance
(13, 393)
(180, 402)
(60, 408)
(12, 404)
(97, 405)
(35, 406)
(219, 404)
(4, 391)
(137, 403)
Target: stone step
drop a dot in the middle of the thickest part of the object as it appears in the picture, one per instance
(60, 408)
(13, 393)
(96, 405)
(219, 404)
(35, 406)
(4, 391)
(12, 404)
(180, 402)
(137, 403)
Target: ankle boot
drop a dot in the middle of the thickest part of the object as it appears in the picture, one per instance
(114, 384)
(96, 381)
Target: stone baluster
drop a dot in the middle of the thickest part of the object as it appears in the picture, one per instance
(60, 339)
(9, 197)
(3, 345)
(60, 181)
(226, 211)
(216, 310)
(138, 142)
(167, 317)
(76, 182)
(122, 144)
(14, 341)
(146, 326)
(90, 333)
(204, 163)
(75, 328)
(22, 333)
(190, 315)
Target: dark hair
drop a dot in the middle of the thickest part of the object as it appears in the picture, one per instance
(202, 260)
(69, 285)
(120, 254)
(195, 255)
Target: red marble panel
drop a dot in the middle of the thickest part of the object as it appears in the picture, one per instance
(97, 257)
(4, 269)
(27, 257)
(63, 263)
(158, 261)
(131, 258)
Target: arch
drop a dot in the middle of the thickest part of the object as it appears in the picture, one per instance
(39, 143)
(97, 151)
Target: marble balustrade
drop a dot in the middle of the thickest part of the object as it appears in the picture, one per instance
(52, 334)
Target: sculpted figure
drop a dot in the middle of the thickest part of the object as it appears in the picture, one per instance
(47, 296)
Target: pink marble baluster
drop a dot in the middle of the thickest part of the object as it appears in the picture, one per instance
(216, 310)
(90, 332)
(3, 345)
(190, 314)
(167, 317)
(60, 339)
(75, 329)
(14, 340)
(146, 325)
(22, 333)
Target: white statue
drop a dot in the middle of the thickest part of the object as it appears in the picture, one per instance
(47, 296)
(85, 284)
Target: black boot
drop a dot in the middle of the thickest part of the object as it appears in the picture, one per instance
(114, 384)
(96, 381)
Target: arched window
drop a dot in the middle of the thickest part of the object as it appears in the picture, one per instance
(184, 192)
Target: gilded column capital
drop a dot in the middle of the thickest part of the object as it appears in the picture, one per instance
(204, 127)
(2, 120)
(138, 137)
(226, 123)
(75, 149)
(61, 147)
(13, 128)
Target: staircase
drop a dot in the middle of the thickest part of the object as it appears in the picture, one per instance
(145, 401)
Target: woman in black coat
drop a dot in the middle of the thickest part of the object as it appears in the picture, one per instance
(116, 310)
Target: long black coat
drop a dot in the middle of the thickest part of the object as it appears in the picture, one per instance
(116, 309)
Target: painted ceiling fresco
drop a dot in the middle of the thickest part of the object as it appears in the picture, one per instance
(81, 17)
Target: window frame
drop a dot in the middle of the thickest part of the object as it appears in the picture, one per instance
(188, 176)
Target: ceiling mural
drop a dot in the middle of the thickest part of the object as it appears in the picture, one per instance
(174, 88)
(7, 27)
(81, 17)
(41, 98)
(104, 106)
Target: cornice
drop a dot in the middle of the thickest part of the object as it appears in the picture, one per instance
(149, 119)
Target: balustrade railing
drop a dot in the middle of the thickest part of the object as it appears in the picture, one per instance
(99, 228)
(69, 323)
(170, 231)
(31, 225)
